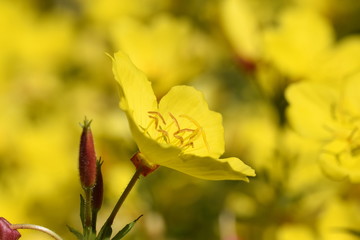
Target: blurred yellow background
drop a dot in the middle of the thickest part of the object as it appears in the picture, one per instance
(284, 75)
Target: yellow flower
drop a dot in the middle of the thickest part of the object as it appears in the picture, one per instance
(340, 61)
(242, 27)
(179, 132)
(329, 112)
(299, 42)
(338, 215)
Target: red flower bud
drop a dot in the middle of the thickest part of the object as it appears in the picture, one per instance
(98, 190)
(6, 232)
(139, 162)
(87, 157)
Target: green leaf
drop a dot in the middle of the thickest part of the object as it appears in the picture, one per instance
(125, 230)
(78, 235)
(82, 211)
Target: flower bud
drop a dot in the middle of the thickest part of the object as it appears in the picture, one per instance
(87, 157)
(6, 232)
(98, 190)
(139, 162)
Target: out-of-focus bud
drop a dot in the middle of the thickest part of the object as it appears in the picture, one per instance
(6, 232)
(98, 190)
(87, 157)
(140, 163)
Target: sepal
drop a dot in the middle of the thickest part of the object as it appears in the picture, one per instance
(125, 229)
(78, 235)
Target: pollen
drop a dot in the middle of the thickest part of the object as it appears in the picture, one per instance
(182, 131)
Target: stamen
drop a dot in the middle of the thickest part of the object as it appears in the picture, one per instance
(180, 138)
(200, 128)
(156, 121)
(165, 135)
(183, 131)
(147, 128)
(159, 115)
(190, 144)
(184, 138)
(176, 122)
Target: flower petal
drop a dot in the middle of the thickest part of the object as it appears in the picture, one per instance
(189, 107)
(136, 94)
(212, 169)
(303, 33)
(310, 108)
(351, 96)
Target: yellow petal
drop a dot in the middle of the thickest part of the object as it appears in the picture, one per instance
(351, 96)
(331, 168)
(341, 61)
(212, 169)
(310, 108)
(191, 111)
(136, 94)
(242, 27)
(298, 44)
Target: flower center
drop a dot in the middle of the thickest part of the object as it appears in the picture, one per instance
(182, 131)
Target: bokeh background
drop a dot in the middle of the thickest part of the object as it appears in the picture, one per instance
(244, 55)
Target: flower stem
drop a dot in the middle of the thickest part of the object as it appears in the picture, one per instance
(37, 228)
(88, 213)
(124, 195)
(106, 228)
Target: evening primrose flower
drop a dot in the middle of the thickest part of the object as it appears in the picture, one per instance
(179, 132)
(242, 27)
(329, 112)
(302, 34)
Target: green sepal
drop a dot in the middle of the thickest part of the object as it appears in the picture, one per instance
(78, 235)
(82, 211)
(105, 232)
(125, 230)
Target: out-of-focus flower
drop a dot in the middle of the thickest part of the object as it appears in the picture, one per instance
(299, 42)
(242, 27)
(105, 12)
(343, 16)
(340, 62)
(338, 216)
(6, 232)
(180, 132)
(329, 112)
(279, 46)
(170, 51)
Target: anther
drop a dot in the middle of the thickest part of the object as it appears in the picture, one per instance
(159, 115)
(199, 128)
